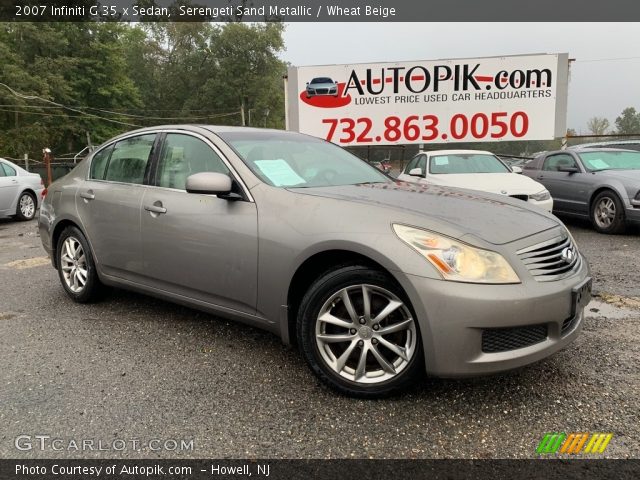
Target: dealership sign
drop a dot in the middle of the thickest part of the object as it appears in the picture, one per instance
(520, 97)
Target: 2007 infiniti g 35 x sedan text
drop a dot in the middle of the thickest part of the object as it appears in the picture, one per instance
(375, 280)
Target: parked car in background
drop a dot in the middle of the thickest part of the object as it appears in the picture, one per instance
(322, 86)
(623, 144)
(513, 161)
(475, 170)
(596, 183)
(20, 191)
(375, 280)
(383, 166)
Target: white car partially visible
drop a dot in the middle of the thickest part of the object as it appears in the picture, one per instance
(21, 192)
(475, 170)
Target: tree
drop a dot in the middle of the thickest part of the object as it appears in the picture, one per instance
(77, 65)
(628, 122)
(598, 125)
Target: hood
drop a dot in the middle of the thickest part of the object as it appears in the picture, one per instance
(629, 175)
(488, 217)
(498, 183)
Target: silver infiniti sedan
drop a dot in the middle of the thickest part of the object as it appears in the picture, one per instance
(375, 280)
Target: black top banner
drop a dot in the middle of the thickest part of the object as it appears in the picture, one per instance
(323, 11)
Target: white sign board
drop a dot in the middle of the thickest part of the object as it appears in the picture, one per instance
(520, 97)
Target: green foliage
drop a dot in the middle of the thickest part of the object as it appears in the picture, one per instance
(118, 76)
(628, 122)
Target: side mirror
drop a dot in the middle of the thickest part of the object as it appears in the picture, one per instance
(415, 172)
(568, 169)
(516, 169)
(210, 183)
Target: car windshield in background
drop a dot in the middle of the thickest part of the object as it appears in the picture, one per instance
(466, 163)
(285, 160)
(595, 161)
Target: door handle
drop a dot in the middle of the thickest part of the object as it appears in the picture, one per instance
(88, 195)
(540, 177)
(155, 208)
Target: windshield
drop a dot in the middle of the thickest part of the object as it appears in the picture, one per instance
(611, 160)
(322, 80)
(466, 163)
(292, 160)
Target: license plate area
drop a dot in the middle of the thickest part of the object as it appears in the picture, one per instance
(581, 296)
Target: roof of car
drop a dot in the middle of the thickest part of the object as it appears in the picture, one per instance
(593, 149)
(196, 127)
(456, 152)
(604, 144)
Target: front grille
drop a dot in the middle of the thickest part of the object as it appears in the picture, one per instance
(322, 91)
(504, 339)
(521, 197)
(551, 260)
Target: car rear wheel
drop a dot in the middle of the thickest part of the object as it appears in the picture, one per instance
(607, 213)
(26, 207)
(358, 333)
(76, 268)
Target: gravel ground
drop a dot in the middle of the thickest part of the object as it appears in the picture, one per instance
(136, 368)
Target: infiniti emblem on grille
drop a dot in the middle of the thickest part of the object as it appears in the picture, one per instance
(567, 255)
(504, 192)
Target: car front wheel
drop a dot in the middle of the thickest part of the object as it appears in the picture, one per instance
(76, 267)
(607, 213)
(358, 334)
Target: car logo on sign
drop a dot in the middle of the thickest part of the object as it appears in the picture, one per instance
(567, 255)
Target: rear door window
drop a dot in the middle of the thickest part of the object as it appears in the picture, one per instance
(129, 159)
(8, 171)
(99, 163)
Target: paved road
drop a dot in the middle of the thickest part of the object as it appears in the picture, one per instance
(132, 368)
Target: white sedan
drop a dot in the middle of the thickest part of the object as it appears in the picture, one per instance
(475, 170)
(20, 191)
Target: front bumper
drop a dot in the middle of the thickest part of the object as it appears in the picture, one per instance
(454, 316)
(632, 214)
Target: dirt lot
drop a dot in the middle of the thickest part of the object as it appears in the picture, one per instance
(136, 368)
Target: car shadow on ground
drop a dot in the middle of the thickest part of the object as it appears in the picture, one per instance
(206, 333)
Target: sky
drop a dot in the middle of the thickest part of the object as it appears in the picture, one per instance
(604, 79)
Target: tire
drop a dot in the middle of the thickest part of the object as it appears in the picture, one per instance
(73, 257)
(607, 213)
(26, 208)
(346, 347)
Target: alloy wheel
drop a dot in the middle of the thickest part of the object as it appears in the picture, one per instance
(73, 263)
(605, 212)
(27, 206)
(366, 334)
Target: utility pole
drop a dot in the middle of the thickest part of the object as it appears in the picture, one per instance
(242, 112)
(26, 162)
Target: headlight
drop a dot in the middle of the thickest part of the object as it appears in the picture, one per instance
(455, 260)
(540, 196)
